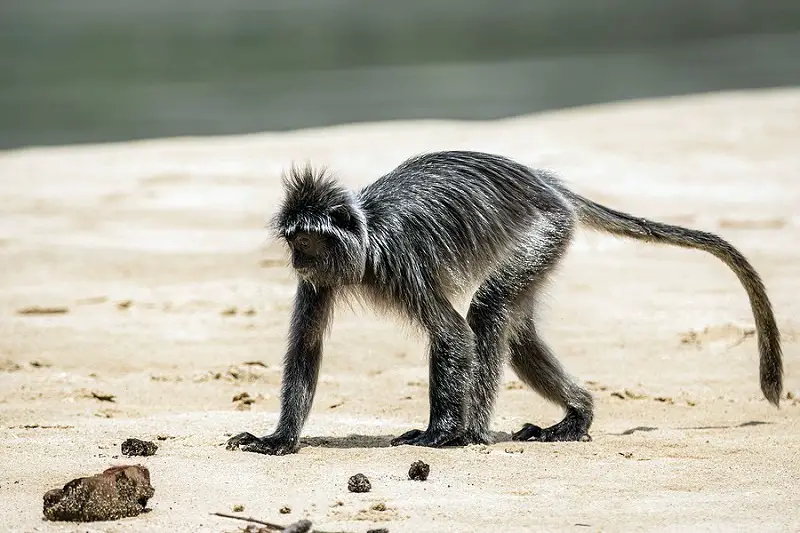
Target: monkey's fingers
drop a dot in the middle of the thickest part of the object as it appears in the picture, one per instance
(565, 431)
(270, 447)
(242, 439)
(409, 437)
(429, 438)
(528, 432)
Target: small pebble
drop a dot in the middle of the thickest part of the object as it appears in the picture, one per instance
(419, 471)
(238, 508)
(359, 483)
(285, 509)
(138, 447)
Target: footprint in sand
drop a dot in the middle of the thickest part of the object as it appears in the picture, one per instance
(729, 335)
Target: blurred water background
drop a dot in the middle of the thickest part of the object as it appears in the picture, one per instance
(76, 71)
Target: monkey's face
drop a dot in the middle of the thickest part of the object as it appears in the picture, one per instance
(324, 228)
(326, 258)
(309, 251)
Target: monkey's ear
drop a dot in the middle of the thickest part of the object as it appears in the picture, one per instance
(341, 216)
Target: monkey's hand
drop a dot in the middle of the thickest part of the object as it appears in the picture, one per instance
(429, 438)
(268, 445)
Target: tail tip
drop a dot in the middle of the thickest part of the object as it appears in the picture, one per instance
(771, 373)
(772, 392)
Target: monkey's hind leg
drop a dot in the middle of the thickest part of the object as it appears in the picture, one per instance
(488, 317)
(451, 355)
(494, 314)
(536, 365)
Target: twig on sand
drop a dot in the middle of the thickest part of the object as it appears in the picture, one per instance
(270, 525)
(302, 526)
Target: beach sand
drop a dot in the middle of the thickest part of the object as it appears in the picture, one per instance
(143, 271)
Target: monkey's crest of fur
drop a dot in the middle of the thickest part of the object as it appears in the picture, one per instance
(315, 202)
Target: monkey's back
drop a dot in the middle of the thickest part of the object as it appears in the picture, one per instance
(457, 212)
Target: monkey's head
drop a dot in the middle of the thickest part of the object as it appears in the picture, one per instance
(324, 228)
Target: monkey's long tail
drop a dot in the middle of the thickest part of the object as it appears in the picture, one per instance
(603, 218)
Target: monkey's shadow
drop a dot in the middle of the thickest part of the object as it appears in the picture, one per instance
(372, 441)
(498, 437)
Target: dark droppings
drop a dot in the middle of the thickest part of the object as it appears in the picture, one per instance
(119, 492)
(419, 471)
(358, 483)
(138, 447)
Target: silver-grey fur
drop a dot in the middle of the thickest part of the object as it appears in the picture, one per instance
(426, 232)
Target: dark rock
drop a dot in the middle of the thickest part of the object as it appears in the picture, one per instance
(419, 471)
(119, 492)
(359, 483)
(138, 447)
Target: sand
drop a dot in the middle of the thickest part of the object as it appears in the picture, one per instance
(140, 293)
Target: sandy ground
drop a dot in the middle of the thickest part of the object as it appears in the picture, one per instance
(168, 286)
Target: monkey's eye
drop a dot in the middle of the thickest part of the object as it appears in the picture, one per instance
(302, 242)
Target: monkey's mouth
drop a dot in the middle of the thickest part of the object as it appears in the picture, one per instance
(304, 271)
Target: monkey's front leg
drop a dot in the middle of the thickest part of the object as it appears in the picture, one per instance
(297, 392)
(300, 373)
(451, 354)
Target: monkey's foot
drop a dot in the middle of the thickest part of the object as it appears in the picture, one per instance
(471, 437)
(269, 445)
(572, 428)
(429, 438)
